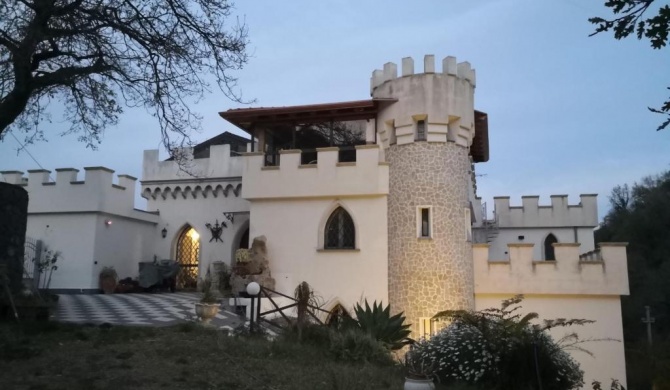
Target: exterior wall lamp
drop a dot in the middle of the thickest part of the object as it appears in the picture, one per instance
(164, 233)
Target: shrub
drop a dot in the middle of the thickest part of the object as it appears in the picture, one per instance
(500, 349)
(351, 345)
(377, 322)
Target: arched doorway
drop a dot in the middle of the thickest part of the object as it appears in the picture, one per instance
(244, 240)
(188, 256)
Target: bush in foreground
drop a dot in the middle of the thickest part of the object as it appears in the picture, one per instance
(500, 349)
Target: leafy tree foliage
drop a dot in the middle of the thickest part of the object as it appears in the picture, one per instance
(630, 19)
(96, 56)
(640, 215)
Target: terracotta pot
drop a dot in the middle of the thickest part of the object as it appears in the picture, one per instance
(419, 384)
(206, 311)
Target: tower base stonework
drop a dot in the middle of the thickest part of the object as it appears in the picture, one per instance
(428, 275)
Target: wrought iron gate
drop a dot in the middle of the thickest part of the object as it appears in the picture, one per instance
(32, 256)
(188, 254)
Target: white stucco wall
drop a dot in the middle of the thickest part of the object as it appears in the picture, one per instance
(176, 212)
(294, 232)
(69, 216)
(219, 164)
(567, 275)
(569, 287)
(536, 236)
(73, 235)
(328, 177)
(558, 214)
(197, 192)
(608, 361)
(122, 245)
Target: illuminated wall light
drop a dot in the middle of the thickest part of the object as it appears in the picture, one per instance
(108, 222)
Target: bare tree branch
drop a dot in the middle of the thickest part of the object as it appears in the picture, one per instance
(94, 55)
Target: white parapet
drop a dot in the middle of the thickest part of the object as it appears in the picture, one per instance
(219, 164)
(569, 274)
(328, 177)
(558, 214)
(96, 193)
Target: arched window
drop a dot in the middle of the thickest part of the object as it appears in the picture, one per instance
(340, 232)
(549, 248)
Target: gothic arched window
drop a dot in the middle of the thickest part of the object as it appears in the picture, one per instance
(549, 248)
(340, 232)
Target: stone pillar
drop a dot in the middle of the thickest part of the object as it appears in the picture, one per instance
(14, 217)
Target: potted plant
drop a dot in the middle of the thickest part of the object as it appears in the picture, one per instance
(208, 307)
(419, 373)
(108, 280)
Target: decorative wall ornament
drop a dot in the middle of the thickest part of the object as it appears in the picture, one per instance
(216, 230)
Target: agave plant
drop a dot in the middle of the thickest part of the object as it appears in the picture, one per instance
(379, 324)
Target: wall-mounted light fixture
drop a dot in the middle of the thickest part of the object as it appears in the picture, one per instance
(230, 217)
(164, 232)
(108, 222)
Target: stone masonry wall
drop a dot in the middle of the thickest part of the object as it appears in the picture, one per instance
(429, 275)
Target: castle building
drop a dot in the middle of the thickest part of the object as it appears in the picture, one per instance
(372, 199)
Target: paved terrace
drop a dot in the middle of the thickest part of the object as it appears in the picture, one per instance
(137, 310)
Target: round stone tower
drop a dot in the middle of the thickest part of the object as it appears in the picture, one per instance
(426, 127)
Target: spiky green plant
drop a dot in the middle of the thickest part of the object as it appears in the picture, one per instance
(378, 322)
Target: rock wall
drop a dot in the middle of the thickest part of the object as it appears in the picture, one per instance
(429, 275)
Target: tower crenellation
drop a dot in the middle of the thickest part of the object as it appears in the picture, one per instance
(431, 106)
(450, 67)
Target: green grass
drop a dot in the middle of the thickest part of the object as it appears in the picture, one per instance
(52, 356)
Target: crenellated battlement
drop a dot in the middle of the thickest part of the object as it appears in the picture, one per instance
(450, 67)
(441, 102)
(220, 164)
(95, 193)
(558, 214)
(606, 274)
(326, 178)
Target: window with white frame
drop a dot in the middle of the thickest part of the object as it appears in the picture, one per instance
(424, 219)
(426, 327)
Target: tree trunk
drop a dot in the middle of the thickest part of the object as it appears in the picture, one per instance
(11, 107)
(14, 217)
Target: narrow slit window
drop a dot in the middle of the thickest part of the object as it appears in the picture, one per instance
(421, 130)
(424, 223)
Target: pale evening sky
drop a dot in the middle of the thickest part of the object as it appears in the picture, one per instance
(567, 112)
